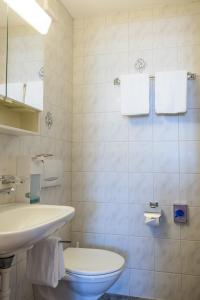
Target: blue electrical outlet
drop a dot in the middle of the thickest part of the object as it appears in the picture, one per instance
(180, 213)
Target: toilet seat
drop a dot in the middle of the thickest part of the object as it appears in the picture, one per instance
(91, 262)
(72, 277)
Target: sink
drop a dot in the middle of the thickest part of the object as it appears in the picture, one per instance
(22, 225)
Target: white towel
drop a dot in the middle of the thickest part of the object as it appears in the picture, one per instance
(45, 263)
(171, 92)
(134, 94)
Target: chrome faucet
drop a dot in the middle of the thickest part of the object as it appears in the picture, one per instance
(7, 179)
(11, 181)
(8, 190)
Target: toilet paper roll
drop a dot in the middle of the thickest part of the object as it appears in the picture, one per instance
(152, 219)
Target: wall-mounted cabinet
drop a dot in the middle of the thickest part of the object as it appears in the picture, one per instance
(21, 74)
(18, 119)
(3, 48)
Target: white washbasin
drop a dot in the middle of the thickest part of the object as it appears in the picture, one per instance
(22, 225)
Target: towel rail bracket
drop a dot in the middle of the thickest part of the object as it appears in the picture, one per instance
(65, 242)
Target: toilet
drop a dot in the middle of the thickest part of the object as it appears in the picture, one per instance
(89, 273)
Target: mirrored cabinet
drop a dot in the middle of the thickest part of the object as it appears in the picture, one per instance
(3, 48)
(25, 62)
(21, 74)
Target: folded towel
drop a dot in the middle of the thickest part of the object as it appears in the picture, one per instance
(171, 92)
(45, 262)
(134, 94)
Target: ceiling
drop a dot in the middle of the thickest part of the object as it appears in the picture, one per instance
(88, 8)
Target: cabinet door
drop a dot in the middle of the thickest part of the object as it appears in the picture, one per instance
(3, 48)
(25, 62)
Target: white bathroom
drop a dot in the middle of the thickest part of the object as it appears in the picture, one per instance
(99, 150)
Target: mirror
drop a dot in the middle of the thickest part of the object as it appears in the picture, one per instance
(3, 48)
(25, 62)
(21, 59)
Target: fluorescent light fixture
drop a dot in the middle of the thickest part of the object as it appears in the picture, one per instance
(32, 13)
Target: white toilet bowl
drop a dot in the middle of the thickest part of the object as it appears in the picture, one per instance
(87, 288)
(89, 274)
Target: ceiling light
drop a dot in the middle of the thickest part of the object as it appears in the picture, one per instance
(32, 13)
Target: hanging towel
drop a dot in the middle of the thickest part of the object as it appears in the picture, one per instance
(134, 94)
(45, 263)
(171, 92)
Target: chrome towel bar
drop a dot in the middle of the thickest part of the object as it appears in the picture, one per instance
(65, 242)
(190, 76)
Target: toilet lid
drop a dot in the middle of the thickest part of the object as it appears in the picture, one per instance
(92, 261)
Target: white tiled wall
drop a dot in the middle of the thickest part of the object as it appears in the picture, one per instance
(120, 163)
(58, 100)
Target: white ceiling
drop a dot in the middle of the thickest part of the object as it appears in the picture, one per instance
(88, 8)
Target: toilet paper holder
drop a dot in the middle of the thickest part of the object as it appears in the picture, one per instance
(153, 204)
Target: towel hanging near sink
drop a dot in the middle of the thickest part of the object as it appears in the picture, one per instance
(45, 262)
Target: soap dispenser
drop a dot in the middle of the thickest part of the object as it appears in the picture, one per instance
(35, 188)
(35, 182)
